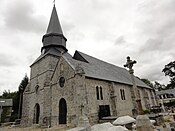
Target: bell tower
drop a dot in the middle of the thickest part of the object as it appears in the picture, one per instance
(54, 38)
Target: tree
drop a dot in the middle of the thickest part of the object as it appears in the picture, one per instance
(21, 88)
(158, 86)
(169, 70)
(15, 97)
(23, 84)
(146, 81)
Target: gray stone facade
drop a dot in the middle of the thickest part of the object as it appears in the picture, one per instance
(62, 88)
(78, 91)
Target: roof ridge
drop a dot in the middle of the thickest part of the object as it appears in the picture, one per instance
(100, 60)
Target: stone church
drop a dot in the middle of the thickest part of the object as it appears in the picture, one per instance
(63, 87)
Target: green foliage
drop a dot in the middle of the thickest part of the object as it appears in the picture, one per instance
(169, 70)
(158, 86)
(5, 112)
(22, 87)
(8, 94)
(16, 98)
(146, 111)
(146, 81)
(167, 119)
(23, 84)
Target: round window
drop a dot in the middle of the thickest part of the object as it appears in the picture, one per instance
(62, 81)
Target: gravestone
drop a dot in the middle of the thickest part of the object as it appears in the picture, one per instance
(143, 123)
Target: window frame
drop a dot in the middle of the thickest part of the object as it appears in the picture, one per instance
(97, 93)
(62, 82)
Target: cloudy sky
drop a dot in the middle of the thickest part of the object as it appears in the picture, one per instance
(107, 29)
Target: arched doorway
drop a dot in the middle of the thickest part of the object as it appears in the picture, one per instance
(36, 114)
(62, 111)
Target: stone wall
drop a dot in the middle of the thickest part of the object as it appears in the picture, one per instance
(147, 98)
(38, 90)
(78, 91)
(123, 107)
(67, 92)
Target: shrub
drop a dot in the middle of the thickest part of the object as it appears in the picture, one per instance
(146, 111)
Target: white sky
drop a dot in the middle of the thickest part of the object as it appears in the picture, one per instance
(106, 29)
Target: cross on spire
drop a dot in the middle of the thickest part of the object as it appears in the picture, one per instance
(129, 64)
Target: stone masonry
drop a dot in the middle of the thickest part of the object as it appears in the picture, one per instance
(63, 88)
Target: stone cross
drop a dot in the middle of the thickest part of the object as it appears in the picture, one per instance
(129, 64)
(136, 100)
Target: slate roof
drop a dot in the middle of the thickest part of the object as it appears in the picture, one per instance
(54, 24)
(6, 102)
(93, 67)
(170, 91)
(99, 69)
(51, 51)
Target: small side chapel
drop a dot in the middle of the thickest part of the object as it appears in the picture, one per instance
(62, 87)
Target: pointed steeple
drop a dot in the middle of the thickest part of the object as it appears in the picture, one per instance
(54, 37)
(54, 24)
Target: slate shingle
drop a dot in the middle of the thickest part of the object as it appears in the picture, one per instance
(99, 69)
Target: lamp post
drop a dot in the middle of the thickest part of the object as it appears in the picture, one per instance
(1, 108)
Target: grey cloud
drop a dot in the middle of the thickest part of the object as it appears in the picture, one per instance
(152, 45)
(20, 16)
(67, 26)
(158, 45)
(7, 60)
(155, 76)
(167, 28)
(101, 4)
(151, 70)
(158, 26)
(120, 40)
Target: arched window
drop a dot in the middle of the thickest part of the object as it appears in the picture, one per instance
(101, 93)
(36, 114)
(62, 111)
(62, 81)
(122, 93)
(36, 89)
(97, 92)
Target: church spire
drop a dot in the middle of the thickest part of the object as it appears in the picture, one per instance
(54, 37)
(54, 24)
